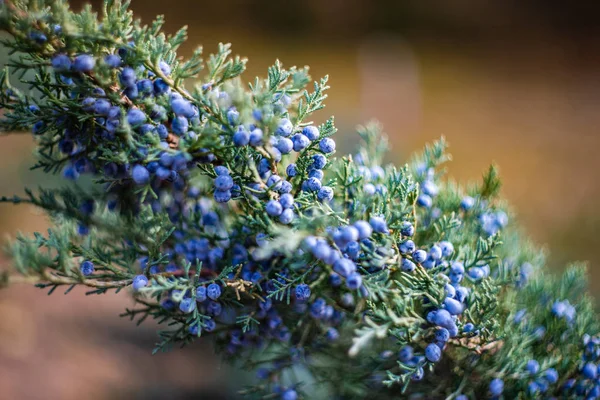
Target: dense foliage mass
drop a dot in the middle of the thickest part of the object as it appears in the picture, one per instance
(225, 213)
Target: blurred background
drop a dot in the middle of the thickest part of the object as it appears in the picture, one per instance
(517, 83)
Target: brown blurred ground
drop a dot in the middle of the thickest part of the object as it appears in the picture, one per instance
(514, 83)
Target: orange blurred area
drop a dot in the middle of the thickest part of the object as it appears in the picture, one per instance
(515, 84)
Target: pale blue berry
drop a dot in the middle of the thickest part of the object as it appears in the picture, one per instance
(344, 267)
(467, 203)
(354, 281)
(128, 77)
(300, 142)
(407, 229)
(435, 252)
(419, 256)
(220, 170)
(447, 248)
(233, 116)
(287, 216)
(590, 370)
(164, 68)
(285, 145)
(369, 189)
(313, 184)
(256, 137)
(284, 128)
(424, 201)
(289, 394)
(407, 265)
(327, 145)
(454, 307)
(182, 108)
(112, 61)
(139, 282)
(274, 208)
(496, 387)
(533, 367)
(286, 200)
(319, 161)
(407, 247)
(325, 193)
(364, 229)
(316, 173)
(311, 132)
(433, 352)
(379, 225)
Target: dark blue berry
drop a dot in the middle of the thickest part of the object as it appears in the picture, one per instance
(222, 196)
(161, 87)
(182, 107)
(213, 291)
(83, 63)
(533, 367)
(136, 117)
(61, 62)
(302, 292)
(187, 305)
(241, 137)
(140, 175)
(319, 161)
(112, 61)
(419, 256)
(180, 125)
(128, 76)
(86, 268)
(223, 182)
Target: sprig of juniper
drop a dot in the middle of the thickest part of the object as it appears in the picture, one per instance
(224, 211)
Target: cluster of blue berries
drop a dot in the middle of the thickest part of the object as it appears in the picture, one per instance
(586, 383)
(429, 189)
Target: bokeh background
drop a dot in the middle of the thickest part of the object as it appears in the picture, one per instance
(517, 83)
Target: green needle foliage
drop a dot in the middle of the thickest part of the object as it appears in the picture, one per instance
(222, 209)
